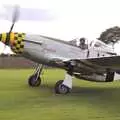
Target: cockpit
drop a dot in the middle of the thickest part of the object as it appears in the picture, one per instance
(80, 42)
(97, 44)
(84, 44)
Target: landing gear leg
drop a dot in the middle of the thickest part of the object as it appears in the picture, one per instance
(35, 80)
(64, 86)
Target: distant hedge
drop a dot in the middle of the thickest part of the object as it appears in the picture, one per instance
(16, 61)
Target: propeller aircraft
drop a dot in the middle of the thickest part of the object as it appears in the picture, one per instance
(96, 63)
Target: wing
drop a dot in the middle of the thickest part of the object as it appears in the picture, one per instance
(112, 62)
(100, 64)
(92, 64)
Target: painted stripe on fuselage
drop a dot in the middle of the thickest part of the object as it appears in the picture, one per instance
(12, 37)
(4, 37)
(32, 42)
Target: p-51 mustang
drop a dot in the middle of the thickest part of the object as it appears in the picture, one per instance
(96, 63)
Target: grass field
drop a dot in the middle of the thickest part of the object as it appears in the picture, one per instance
(87, 101)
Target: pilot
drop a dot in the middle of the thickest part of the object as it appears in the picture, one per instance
(82, 44)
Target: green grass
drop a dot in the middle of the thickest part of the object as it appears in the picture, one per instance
(87, 100)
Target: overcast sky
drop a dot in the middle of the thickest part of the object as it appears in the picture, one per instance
(70, 18)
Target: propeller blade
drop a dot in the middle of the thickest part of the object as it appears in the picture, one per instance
(11, 28)
(15, 16)
(27, 14)
(16, 13)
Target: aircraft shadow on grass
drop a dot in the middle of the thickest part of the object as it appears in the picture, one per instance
(86, 90)
(103, 99)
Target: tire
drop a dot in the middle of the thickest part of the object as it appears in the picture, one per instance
(60, 88)
(110, 76)
(33, 82)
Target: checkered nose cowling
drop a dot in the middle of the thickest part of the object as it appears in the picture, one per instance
(14, 40)
(17, 45)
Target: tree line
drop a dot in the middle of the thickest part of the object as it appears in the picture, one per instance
(110, 35)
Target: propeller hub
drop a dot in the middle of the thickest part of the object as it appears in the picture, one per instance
(14, 40)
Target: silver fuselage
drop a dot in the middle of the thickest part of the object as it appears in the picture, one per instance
(46, 50)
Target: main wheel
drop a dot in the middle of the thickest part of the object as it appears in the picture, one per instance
(60, 88)
(34, 81)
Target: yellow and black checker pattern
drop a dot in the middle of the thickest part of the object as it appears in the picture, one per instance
(17, 42)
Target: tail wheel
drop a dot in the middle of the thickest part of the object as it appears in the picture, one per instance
(60, 88)
(34, 81)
